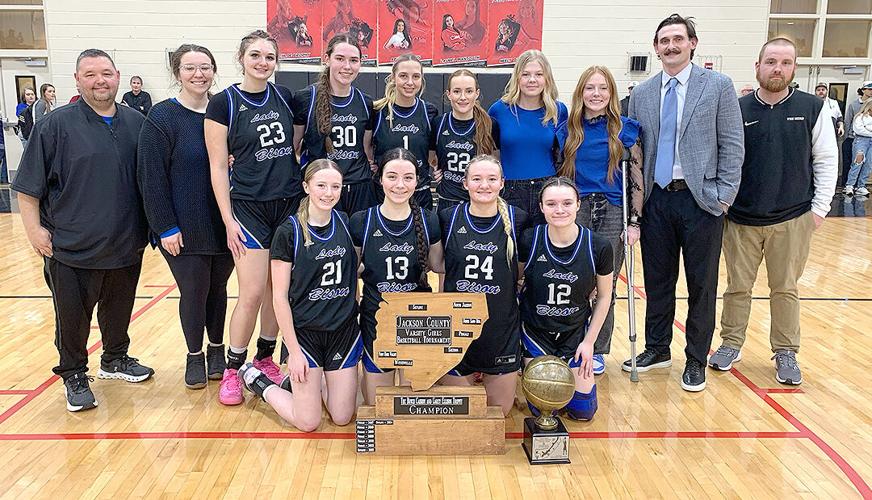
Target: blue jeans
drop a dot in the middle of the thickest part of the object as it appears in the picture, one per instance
(607, 220)
(859, 174)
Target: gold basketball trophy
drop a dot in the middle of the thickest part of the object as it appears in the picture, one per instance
(548, 384)
(426, 335)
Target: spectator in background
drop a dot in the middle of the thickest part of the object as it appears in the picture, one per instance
(625, 102)
(28, 97)
(46, 101)
(747, 89)
(137, 98)
(865, 92)
(832, 106)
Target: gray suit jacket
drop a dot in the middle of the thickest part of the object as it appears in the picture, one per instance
(711, 142)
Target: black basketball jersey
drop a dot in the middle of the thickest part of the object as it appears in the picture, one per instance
(390, 259)
(410, 131)
(348, 124)
(260, 138)
(554, 299)
(455, 146)
(476, 262)
(324, 280)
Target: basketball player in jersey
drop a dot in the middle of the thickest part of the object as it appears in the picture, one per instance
(480, 240)
(314, 274)
(398, 242)
(252, 121)
(403, 121)
(459, 136)
(565, 263)
(333, 120)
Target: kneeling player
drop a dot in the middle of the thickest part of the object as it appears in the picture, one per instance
(564, 263)
(314, 273)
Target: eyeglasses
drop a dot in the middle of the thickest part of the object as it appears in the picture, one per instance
(192, 68)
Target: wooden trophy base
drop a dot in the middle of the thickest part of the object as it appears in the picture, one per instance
(545, 447)
(444, 420)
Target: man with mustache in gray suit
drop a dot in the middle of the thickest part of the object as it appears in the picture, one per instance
(693, 146)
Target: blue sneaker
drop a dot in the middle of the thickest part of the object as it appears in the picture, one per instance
(599, 364)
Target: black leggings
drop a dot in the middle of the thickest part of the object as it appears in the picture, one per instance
(202, 281)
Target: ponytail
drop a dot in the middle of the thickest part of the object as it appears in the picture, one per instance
(483, 130)
(423, 245)
(503, 209)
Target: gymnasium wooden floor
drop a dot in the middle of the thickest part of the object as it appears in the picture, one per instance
(745, 436)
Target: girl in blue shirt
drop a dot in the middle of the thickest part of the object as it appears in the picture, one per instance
(526, 123)
(597, 135)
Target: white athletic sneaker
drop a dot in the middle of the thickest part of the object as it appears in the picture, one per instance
(849, 191)
(862, 191)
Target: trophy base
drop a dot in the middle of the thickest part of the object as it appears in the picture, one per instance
(545, 447)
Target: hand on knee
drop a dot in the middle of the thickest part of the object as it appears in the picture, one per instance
(860, 158)
(583, 406)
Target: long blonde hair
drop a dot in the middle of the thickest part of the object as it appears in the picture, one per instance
(390, 98)
(576, 125)
(314, 167)
(549, 94)
(502, 206)
(866, 108)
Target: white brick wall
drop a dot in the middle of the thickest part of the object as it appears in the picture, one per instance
(578, 33)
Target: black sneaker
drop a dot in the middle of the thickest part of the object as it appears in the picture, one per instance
(693, 379)
(195, 371)
(78, 392)
(648, 360)
(124, 368)
(216, 362)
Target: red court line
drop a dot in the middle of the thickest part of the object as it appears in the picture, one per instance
(31, 395)
(15, 392)
(804, 431)
(348, 435)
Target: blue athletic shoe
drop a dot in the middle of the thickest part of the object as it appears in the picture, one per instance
(599, 364)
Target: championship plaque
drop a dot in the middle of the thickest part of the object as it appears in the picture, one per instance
(548, 384)
(426, 335)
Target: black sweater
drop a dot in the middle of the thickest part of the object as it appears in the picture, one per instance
(174, 179)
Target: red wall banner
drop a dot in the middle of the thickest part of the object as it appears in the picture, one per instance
(444, 32)
(405, 27)
(514, 26)
(460, 33)
(296, 26)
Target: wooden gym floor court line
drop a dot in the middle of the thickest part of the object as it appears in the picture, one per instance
(743, 436)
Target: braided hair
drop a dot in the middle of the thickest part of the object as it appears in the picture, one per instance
(422, 244)
(502, 206)
(323, 112)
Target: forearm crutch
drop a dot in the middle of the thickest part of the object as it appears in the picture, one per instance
(629, 256)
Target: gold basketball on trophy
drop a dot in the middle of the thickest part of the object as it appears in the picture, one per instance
(548, 384)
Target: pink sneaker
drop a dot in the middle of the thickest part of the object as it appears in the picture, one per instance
(230, 391)
(270, 369)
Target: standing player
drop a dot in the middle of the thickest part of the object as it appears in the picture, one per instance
(398, 242)
(459, 136)
(403, 121)
(333, 120)
(526, 122)
(481, 257)
(597, 137)
(565, 263)
(314, 271)
(176, 190)
(253, 122)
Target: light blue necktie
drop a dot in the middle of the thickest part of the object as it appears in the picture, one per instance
(666, 142)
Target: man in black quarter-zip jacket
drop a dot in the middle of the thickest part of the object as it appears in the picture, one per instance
(83, 214)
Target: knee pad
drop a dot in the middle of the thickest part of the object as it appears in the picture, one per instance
(582, 406)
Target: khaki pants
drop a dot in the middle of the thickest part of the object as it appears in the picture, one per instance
(785, 247)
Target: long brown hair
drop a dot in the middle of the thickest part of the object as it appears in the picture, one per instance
(390, 98)
(483, 123)
(323, 113)
(576, 125)
(422, 244)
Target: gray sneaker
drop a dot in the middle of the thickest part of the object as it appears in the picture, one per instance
(724, 358)
(78, 393)
(786, 368)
